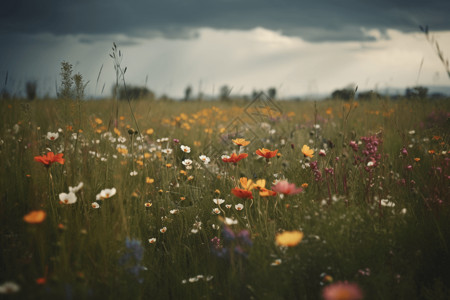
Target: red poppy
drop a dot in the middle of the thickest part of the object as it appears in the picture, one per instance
(241, 193)
(234, 158)
(266, 153)
(50, 158)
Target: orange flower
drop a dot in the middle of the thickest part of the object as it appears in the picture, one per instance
(266, 153)
(50, 158)
(261, 186)
(241, 142)
(35, 217)
(289, 238)
(342, 291)
(266, 192)
(234, 158)
(307, 152)
(241, 193)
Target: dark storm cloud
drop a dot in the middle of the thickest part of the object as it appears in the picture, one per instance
(321, 20)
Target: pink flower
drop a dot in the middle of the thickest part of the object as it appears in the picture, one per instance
(342, 291)
(286, 188)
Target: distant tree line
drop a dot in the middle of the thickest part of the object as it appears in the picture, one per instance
(416, 92)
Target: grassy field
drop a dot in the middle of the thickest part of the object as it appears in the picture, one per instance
(368, 216)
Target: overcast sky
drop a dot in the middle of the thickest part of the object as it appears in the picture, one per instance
(300, 47)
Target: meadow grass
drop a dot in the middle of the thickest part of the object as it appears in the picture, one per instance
(374, 209)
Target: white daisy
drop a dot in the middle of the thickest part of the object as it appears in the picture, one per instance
(205, 159)
(218, 201)
(52, 136)
(69, 198)
(185, 149)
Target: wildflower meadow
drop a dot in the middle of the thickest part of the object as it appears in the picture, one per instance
(237, 199)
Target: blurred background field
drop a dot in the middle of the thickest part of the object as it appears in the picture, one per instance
(373, 212)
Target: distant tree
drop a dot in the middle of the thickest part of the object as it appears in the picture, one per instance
(343, 94)
(65, 90)
(272, 92)
(187, 93)
(224, 93)
(5, 95)
(72, 86)
(134, 93)
(255, 93)
(417, 92)
(31, 90)
(80, 86)
(370, 95)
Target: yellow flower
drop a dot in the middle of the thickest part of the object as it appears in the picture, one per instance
(260, 184)
(307, 152)
(149, 131)
(240, 142)
(289, 238)
(117, 131)
(149, 180)
(304, 185)
(98, 121)
(246, 184)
